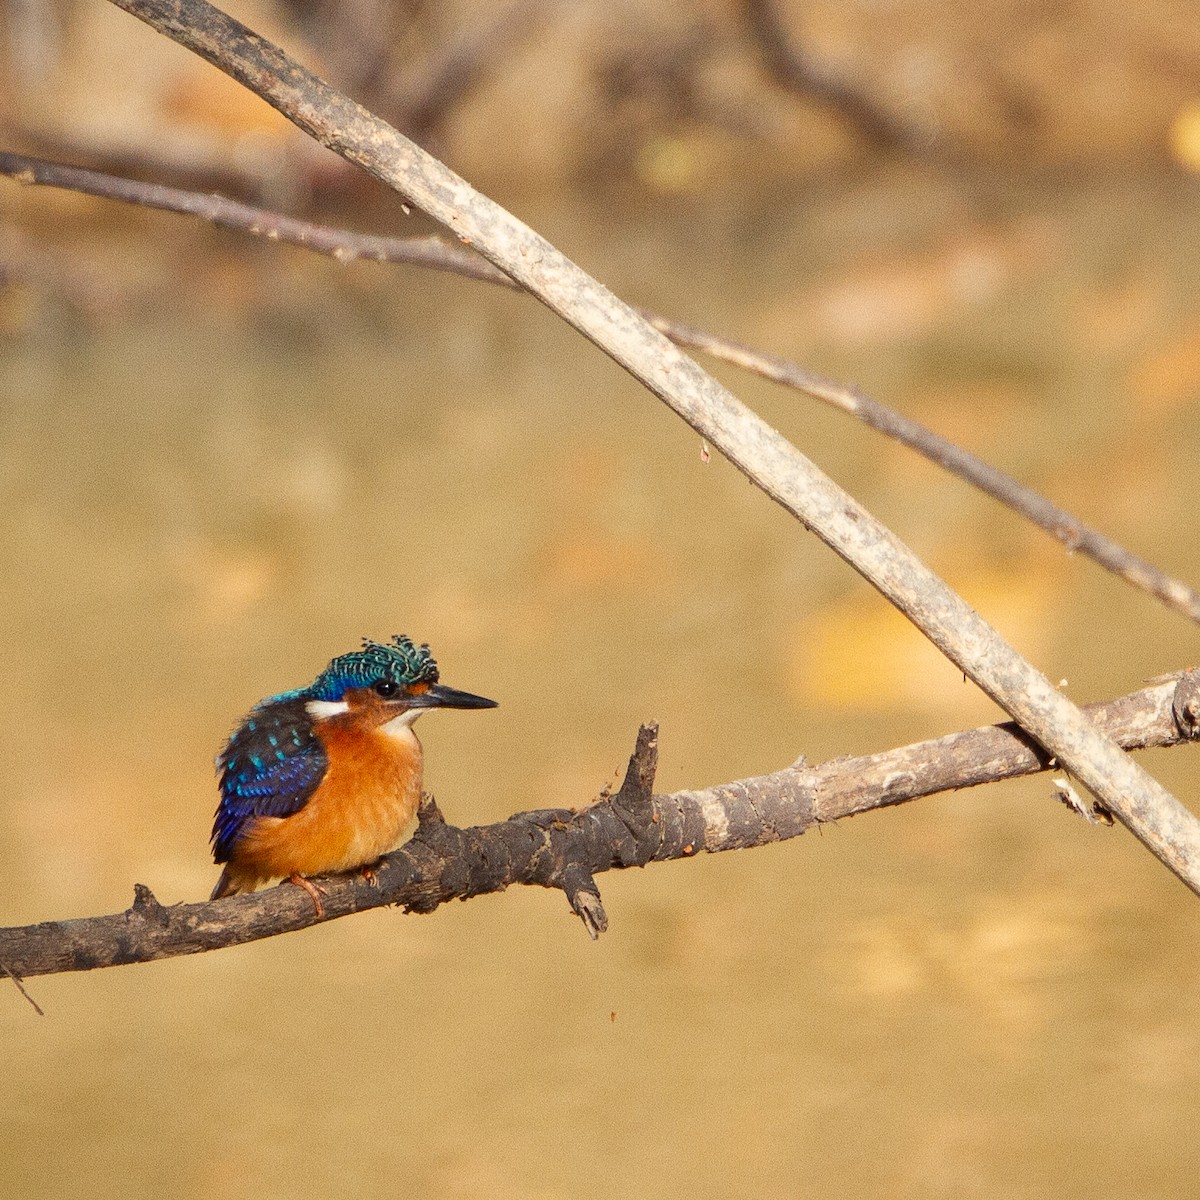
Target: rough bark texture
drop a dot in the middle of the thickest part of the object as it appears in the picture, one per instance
(566, 849)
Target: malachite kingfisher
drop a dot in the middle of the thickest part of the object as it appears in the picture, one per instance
(327, 778)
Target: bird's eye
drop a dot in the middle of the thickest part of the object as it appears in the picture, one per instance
(387, 688)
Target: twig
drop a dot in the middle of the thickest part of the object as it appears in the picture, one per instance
(37, 1008)
(566, 849)
(340, 244)
(192, 160)
(766, 458)
(430, 252)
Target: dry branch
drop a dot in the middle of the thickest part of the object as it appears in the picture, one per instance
(430, 252)
(340, 244)
(566, 849)
(1065, 526)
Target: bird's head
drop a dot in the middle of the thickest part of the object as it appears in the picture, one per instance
(384, 685)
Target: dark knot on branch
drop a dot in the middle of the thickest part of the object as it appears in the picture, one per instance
(1185, 704)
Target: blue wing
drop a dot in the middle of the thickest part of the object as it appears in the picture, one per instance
(270, 768)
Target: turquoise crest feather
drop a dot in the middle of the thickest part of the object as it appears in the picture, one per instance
(402, 661)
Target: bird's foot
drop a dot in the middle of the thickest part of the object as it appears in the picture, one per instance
(369, 876)
(315, 890)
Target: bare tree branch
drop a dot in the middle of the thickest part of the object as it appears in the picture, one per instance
(566, 849)
(795, 68)
(194, 161)
(340, 244)
(37, 1008)
(430, 252)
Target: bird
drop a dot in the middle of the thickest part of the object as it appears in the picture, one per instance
(326, 778)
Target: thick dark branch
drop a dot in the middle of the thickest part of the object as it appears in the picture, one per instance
(567, 849)
(430, 252)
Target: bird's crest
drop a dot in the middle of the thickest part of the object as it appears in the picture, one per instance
(402, 661)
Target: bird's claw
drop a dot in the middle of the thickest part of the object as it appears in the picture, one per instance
(315, 890)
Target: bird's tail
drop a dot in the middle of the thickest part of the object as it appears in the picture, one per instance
(230, 884)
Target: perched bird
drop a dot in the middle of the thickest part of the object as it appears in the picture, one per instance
(326, 778)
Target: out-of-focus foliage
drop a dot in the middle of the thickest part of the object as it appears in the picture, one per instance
(672, 96)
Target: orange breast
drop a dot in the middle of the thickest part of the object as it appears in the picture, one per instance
(369, 795)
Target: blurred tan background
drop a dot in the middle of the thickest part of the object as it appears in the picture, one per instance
(223, 462)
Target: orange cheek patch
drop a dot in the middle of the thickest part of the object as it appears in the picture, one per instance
(417, 689)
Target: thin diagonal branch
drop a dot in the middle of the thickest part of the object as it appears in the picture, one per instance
(340, 244)
(20, 986)
(430, 252)
(761, 453)
(566, 849)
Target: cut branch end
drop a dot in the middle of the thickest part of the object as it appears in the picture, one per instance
(584, 898)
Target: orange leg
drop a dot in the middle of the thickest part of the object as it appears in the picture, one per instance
(315, 890)
(369, 876)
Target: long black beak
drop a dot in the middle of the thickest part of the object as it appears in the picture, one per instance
(440, 696)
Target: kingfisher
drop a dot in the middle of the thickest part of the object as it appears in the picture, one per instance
(327, 778)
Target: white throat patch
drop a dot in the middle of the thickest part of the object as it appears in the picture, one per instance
(401, 726)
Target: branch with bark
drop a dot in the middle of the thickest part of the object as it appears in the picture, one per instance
(566, 849)
(346, 246)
